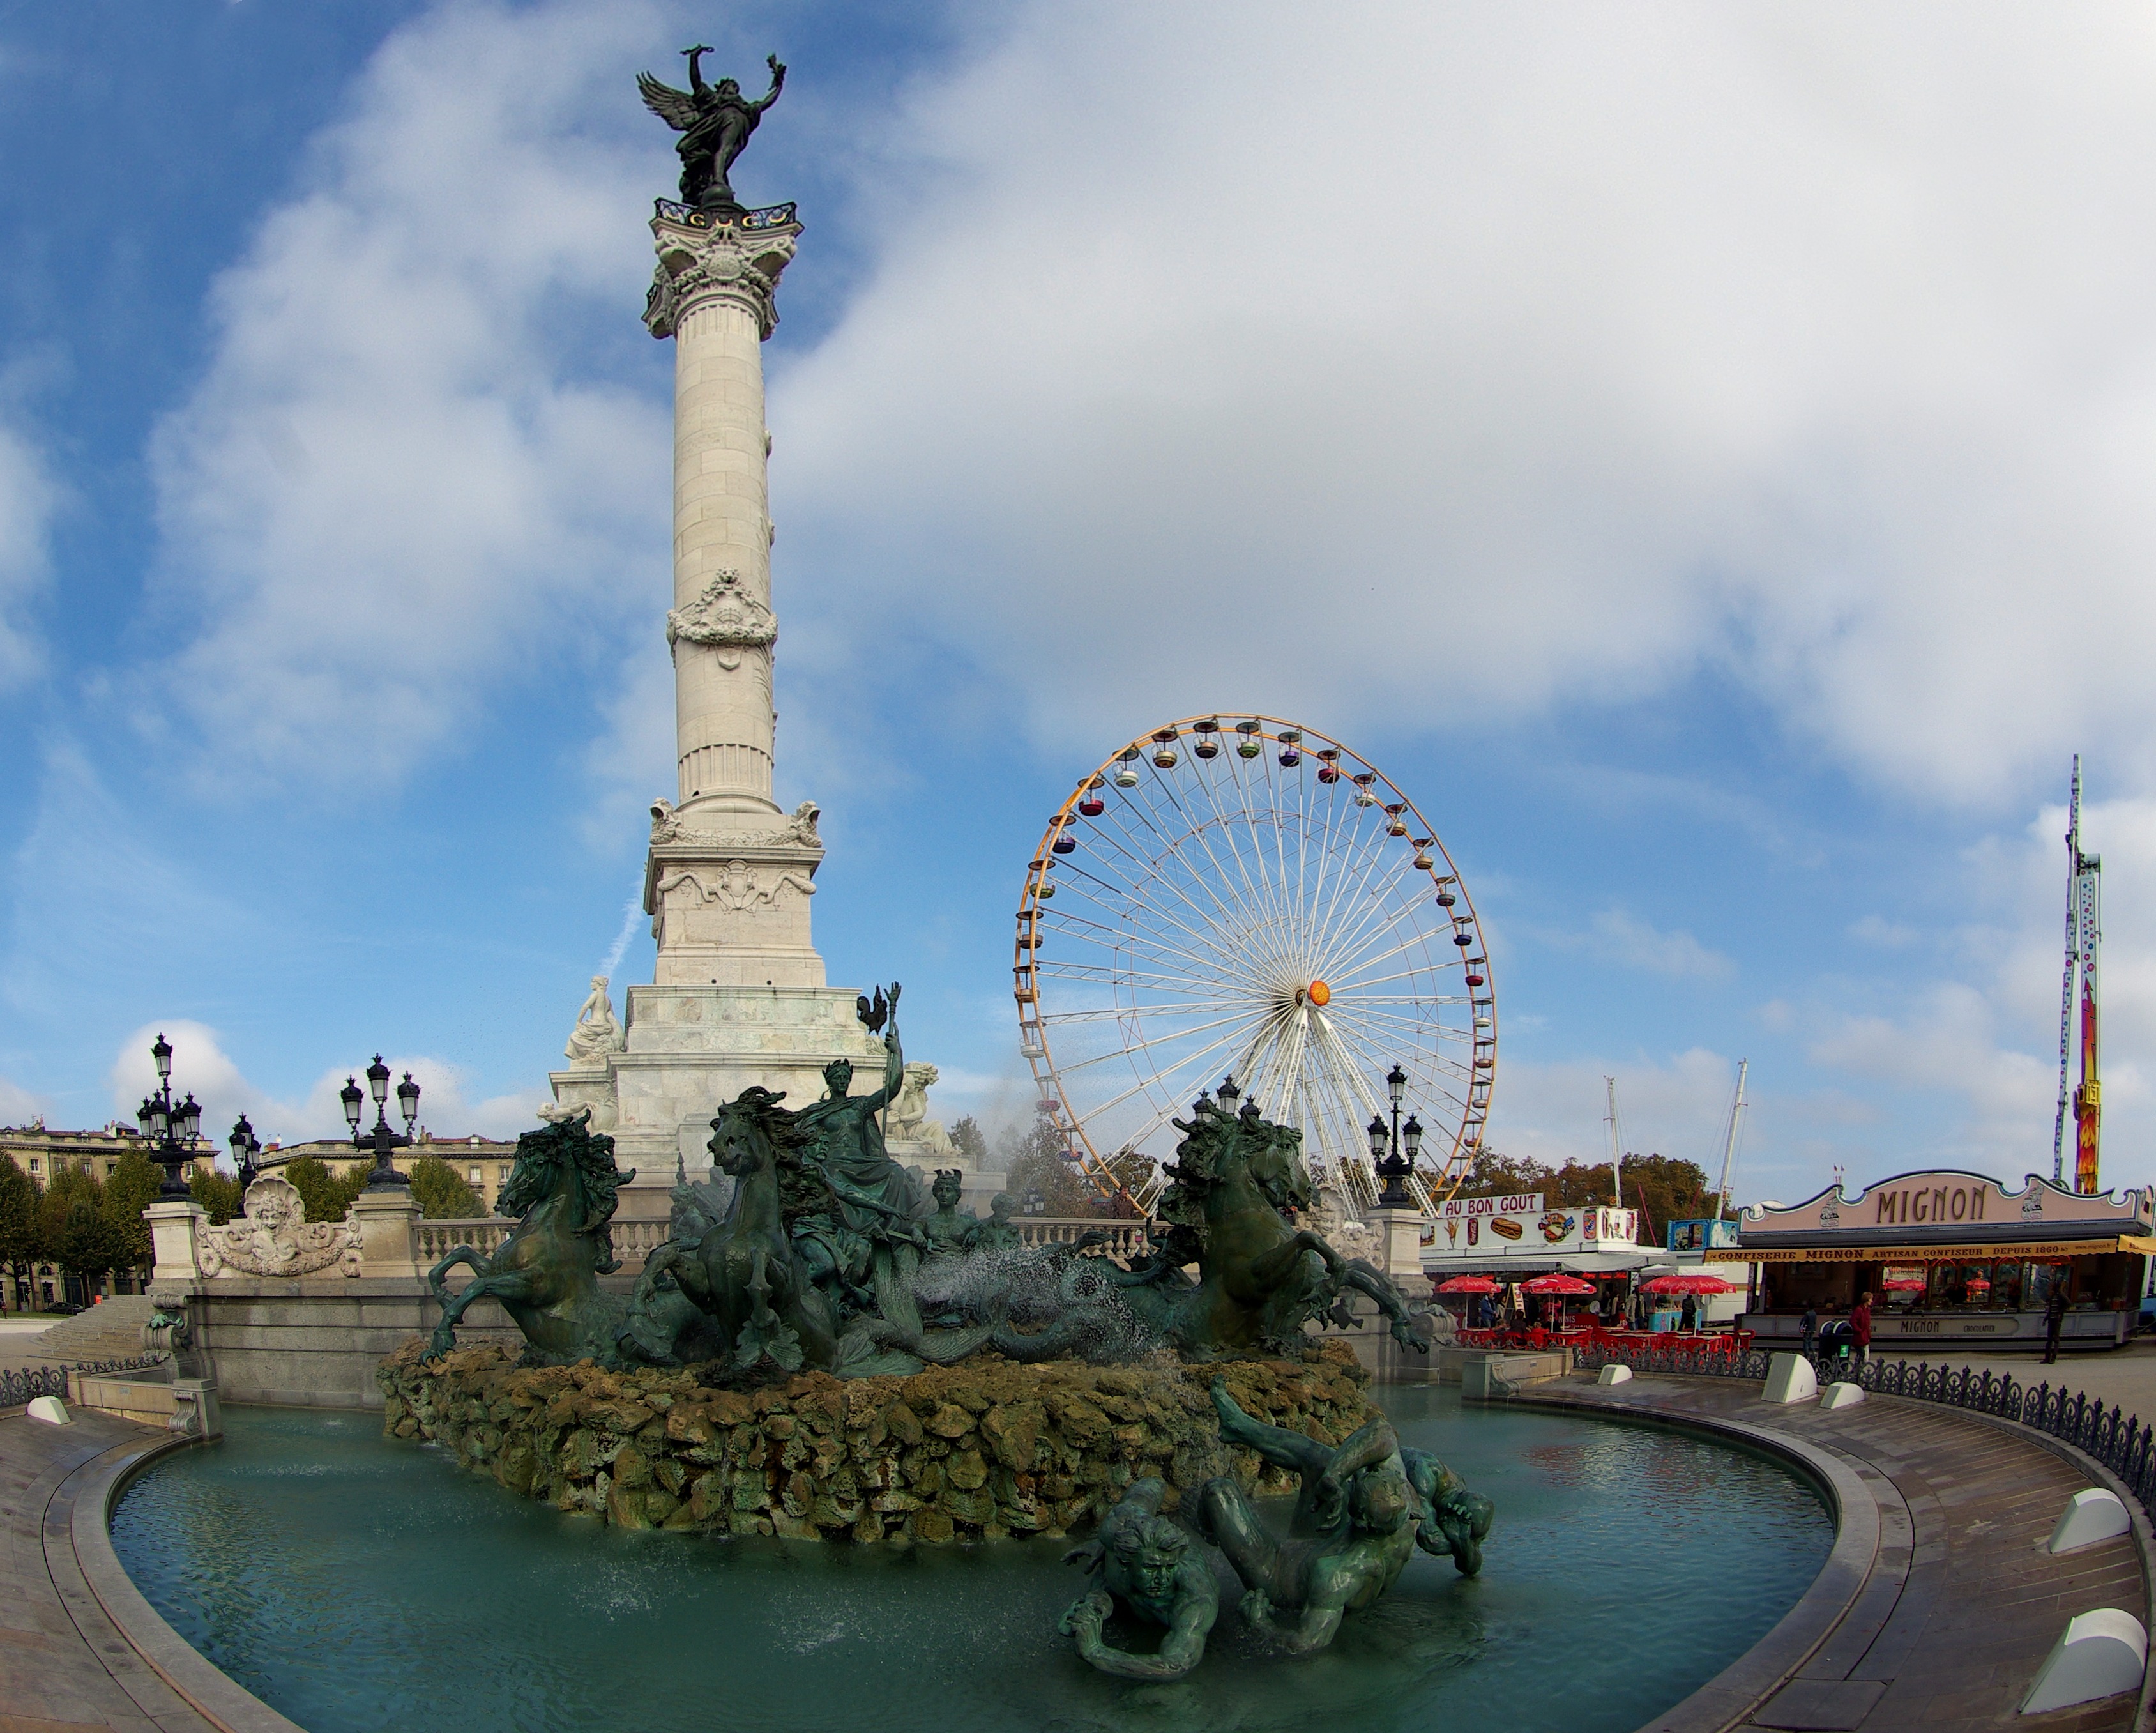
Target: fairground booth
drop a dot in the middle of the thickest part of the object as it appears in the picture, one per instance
(1950, 1256)
(1579, 1256)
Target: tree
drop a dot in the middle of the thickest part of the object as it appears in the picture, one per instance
(86, 1244)
(22, 1230)
(442, 1192)
(327, 1196)
(1036, 1162)
(967, 1139)
(217, 1191)
(130, 1189)
(1493, 1174)
(1663, 1188)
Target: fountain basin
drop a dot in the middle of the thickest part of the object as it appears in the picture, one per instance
(354, 1581)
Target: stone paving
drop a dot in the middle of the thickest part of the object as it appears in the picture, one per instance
(1959, 1604)
(63, 1666)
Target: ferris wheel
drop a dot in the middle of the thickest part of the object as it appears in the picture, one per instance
(1244, 896)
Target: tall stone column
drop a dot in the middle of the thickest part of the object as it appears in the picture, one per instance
(738, 995)
(730, 877)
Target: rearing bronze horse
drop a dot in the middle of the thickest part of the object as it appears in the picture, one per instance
(546, 1273)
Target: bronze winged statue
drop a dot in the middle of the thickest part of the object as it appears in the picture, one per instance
(715, 122)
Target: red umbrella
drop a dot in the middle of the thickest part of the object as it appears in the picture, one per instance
(1470, 1284)
(1688, 1284)
(1560, 1283)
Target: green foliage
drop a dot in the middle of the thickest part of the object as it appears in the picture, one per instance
(130, 1189)
(441, 1192)
(968, 1138)
(217, 1191)
(22, 1225)
(86, 1243)
(1036, 1162)
(1663, 1187)
(327, 1196)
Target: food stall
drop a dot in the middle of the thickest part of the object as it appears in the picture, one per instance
(1514, 1238)
(1949, 1257)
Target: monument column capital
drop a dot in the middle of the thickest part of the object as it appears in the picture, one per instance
(732, 259)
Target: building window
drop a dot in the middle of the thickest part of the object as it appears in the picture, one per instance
(477, 1175)
(33, 1163)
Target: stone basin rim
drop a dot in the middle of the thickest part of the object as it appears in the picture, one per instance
(98, 1485)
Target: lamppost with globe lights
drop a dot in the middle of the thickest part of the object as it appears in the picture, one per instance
(1386, 1145)
(171, 1126)
(245, 1147)
(381, 1139)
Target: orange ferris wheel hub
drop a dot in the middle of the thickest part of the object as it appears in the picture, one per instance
(1317, 993)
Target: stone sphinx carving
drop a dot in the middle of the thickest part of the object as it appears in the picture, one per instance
(597, 1033)
(274, 1238)
(740, 888)
(726, 617)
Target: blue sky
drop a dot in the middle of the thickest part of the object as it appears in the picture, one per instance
(1702, 457)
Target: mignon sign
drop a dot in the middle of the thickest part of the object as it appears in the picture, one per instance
(1946, 1206)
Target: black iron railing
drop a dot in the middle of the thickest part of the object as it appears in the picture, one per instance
(2117, 1439)
(27, 1384)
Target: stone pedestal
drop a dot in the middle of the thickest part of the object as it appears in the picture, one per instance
(173, 1227)
(1399, 1233)
(387, 1246)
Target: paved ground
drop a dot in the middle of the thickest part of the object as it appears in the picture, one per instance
(1959, 1603)
(63, 1668)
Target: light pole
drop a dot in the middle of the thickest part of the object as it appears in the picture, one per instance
(170, 1127)
(381, 1139)
(1385, 1147)
(245, 1147)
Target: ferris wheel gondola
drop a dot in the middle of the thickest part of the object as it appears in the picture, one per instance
(1247, 897)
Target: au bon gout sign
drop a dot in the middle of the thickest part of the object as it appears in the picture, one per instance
(1487, 1230)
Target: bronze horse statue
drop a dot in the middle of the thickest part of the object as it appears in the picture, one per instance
(546, 1273)
(744, 1272)
(1261, 1278)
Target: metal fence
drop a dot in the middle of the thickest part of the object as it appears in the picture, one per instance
(18, 1387)
(2117, 1439)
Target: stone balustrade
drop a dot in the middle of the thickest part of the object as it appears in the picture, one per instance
(635, 1241)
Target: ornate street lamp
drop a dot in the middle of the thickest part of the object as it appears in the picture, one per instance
(170, 1126)
(1387, 1144)
(245, 1147)
(381, 1139)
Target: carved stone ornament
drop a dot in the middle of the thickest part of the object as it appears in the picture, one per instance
(740, 888)
(726, 617)
(798, 831)
(274, 1238)
(724, 262)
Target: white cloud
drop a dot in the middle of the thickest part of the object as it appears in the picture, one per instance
(398, 479)
(28, 498)
(1555, 1111)
(1619, 938)
(1888, 935)
(19, 1106)
(202, 1068)
(1495, 360)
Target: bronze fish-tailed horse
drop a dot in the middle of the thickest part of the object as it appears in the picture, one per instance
(743, 1272)
(546, 1273)
(1261, 1278)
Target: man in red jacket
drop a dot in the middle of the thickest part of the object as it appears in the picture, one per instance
(1859, 1331)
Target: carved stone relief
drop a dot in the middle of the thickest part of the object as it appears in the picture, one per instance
(274, 1238)
(726, 617)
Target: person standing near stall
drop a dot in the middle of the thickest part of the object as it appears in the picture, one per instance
(1859, 1331)
(2055, 1315)
(1688, 1317)
(1811, 1331)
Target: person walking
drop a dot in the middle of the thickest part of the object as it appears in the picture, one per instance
(2055, 1315)
(1859, 1331)
(1811, 1327)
